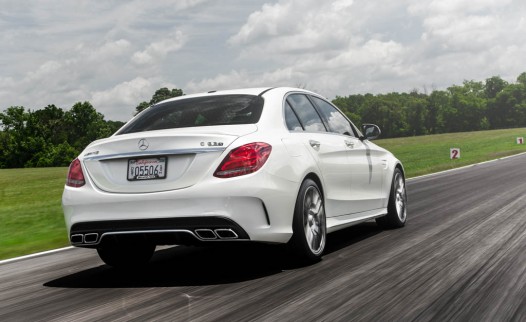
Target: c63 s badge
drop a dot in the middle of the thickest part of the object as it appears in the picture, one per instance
(211, 143)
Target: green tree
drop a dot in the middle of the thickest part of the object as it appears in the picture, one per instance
(85, 125)
(160, 95)
(16, 146)
(164, 93)
(114, 125)
(493, 86)
(141, 107)
(386, 112)
(49, 124)
(507, 109)
(438, 102)
(416, 116)
(53, 156)
(349, 107)
(470, 105)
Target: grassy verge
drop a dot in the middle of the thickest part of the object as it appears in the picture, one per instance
(427, 154)
(31, 218)
(30, 210)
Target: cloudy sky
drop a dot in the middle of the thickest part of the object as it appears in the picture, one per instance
(115, 54)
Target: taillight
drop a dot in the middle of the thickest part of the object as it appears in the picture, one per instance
(75, 176)
(244, 160)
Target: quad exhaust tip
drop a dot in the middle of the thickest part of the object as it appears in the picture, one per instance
(226, 234)
(220, 233)
(206, 234)
(77, 239)
(90, 238)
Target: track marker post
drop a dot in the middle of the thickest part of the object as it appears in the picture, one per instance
(454, 153)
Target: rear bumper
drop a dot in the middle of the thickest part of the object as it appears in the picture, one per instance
(189, 230)
(255, 207)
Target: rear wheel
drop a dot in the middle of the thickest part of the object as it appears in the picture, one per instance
(397, 206)
(126, 255)
(309, 224)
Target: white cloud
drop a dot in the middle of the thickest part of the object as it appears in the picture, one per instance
(159, 49)
(372, 53)
(246, 79)
(264, 23)
(111, 49)
(116, 54)
(64, 52)
(444, 6)
(185, 4)
(292, 26)
(384, 45)
(128, 93)
(341, 4)
(47, 70)
(328, 46)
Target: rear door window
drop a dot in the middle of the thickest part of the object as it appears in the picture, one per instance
(291, 119)
(309, 118)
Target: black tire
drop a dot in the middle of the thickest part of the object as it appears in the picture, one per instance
(309, 223)
(126, 255)
(397, 207)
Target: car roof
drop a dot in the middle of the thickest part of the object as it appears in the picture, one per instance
(240, 91)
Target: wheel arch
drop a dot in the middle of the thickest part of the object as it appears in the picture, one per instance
(401, 167)
(388, 184)
(314, 177)
(299, 242)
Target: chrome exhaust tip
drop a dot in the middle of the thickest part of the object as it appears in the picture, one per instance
(77, 239)
(206, 234)
(91, 238)
(225, 233)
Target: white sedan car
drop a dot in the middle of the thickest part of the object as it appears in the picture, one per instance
(273, 165)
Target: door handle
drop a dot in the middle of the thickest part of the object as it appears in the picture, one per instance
(315, 144)
(349, 144)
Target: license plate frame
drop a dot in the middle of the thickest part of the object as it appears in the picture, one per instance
(147, 168)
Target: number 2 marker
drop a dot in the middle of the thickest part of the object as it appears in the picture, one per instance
(454, 153)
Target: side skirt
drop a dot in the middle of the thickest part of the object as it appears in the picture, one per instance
(341, 222)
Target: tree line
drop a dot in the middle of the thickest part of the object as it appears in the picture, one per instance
(53, 137)
(472, 106)
(50, 136)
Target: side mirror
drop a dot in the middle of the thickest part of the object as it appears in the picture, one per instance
(370, 131)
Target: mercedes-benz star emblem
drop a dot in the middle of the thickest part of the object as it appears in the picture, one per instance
(143, 144)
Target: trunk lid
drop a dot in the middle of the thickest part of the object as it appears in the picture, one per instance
(183, 156)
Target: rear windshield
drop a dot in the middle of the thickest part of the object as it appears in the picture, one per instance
(198, 111)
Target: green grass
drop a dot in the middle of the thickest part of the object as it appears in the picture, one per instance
(427, 154)
(31, 218)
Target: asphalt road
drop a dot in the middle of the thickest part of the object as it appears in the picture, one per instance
(462, 256)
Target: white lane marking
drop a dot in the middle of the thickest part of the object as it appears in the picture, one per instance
(5, 261)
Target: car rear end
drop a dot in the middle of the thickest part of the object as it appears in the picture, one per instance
(188, 170)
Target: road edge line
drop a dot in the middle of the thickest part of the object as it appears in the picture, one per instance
(14, 259)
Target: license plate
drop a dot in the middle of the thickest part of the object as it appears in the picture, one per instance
(147, 169)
